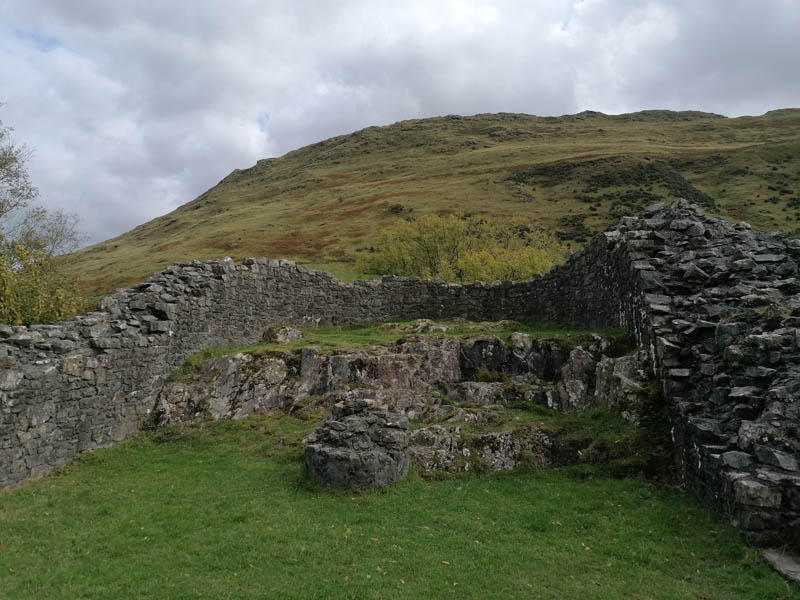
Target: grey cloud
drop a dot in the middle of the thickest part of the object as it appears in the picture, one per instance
(135, 108)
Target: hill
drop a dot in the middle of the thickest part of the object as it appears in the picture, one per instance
(574, 174)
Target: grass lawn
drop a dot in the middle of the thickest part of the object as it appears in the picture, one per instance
(225, 510)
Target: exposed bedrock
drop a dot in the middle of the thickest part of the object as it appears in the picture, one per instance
(420, 376)
(432, 380)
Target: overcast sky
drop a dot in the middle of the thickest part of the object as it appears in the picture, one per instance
(136, 107)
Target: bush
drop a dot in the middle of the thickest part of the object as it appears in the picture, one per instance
(462, 249)
(33, 291)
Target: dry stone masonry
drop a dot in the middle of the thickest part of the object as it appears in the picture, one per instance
(713, 304)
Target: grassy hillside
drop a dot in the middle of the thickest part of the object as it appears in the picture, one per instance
(575, 174)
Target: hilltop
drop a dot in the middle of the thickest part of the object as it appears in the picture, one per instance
(574, 174)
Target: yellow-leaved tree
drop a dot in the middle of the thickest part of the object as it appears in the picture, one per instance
(32, 290)
(464, 249)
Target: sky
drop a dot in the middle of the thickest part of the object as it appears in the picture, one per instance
(133, 108)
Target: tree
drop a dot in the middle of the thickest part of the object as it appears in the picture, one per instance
(21, 224)
(463, 249)
(16, 189)
(31, 287)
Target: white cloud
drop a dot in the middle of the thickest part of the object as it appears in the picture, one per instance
(137, 107)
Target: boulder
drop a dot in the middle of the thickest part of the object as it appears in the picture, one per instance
(288, 334)
(359, 446)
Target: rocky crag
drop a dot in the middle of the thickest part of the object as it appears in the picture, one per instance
(714, 304)
(434, 380)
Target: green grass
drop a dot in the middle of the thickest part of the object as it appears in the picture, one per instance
(364, 335)
(611, 446)
(225, 510)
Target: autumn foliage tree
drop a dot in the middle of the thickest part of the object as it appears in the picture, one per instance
(465, 249)
(32, 290)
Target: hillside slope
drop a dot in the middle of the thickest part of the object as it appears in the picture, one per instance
(573, 174)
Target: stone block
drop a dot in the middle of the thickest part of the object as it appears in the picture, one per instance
(754, 493)
(158, 326)
(10, 379)
(737, 459)
(777, 458)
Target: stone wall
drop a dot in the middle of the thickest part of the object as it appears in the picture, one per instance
(713, 303)
(722, 318)
(87, 383)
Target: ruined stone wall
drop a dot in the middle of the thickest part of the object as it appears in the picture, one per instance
(87, 383)
(714, 304)
(722, 316)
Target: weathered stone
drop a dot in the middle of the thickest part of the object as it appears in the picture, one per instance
(705, 429)
(771, 456)
(619, 385)
(483, 353)
(752, 432)
(477, 393)
(374, 454)
(288, 334)
(530, 354)
(158, 326)
(785, 563)
(574, 391)
(743, 393)
(437, 448)
(10, 379)
(755, 493)
(736, 459)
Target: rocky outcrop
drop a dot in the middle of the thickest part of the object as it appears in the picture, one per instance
(449, 449)
(424, 377)
(360, 445)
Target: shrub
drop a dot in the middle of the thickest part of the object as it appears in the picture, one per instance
(464, 249)
(32, 290)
